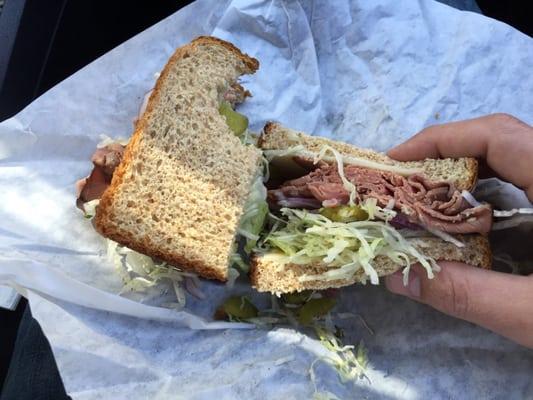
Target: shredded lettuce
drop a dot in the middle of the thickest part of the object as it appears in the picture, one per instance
(250, 138)
(374, 211)
(349, 186)
(445, 236)
(349, 362)
(347, 248)
(255, 212)
(139, 272)
(266, 168)
(252, 221)
(233, 273)
(237, 263)
(89, 208)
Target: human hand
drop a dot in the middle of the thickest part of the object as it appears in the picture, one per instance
(497, 301)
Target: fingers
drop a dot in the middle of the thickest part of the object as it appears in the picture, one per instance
(497, 301)
(505, 142)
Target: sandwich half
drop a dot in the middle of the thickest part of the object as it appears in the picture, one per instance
(179, 189)
(343, 214)
(188, 189)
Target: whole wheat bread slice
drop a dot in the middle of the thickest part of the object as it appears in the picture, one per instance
(461, 171)
(180, 190)
(268, 275)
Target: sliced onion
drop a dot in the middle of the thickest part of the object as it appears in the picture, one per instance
(446, 237)
(470, 199)
(390, 204)
(299, 202)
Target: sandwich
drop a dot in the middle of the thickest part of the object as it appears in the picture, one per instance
(177, 190)
(195, 189)
(348, 215)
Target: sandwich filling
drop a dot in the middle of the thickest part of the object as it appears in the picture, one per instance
(345, 215)
(419, 202)
(105, 160)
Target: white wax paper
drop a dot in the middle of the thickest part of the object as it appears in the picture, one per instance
(371, 73)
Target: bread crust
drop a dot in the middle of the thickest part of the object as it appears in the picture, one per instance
(103, 220)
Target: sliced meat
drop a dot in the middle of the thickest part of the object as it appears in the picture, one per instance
(105, 160)
(235, 94)
(80, 184)
(333, 193)
(108, 157)
(95, 186)
(472, 220)
(435, 205)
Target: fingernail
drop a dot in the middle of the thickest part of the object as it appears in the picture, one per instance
(395, 284)
(394, 151)
(391, 152)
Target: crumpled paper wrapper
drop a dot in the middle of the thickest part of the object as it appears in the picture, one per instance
(371, 73)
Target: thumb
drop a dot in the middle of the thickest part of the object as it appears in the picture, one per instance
(497, 301)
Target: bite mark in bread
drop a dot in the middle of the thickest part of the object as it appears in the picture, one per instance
(168, 198)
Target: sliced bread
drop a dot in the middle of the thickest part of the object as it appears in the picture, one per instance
(180, 190)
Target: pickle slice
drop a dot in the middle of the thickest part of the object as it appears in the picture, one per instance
(238, 123)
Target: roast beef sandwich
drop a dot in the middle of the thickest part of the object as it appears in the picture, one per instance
(345, 215)
(194, 189)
